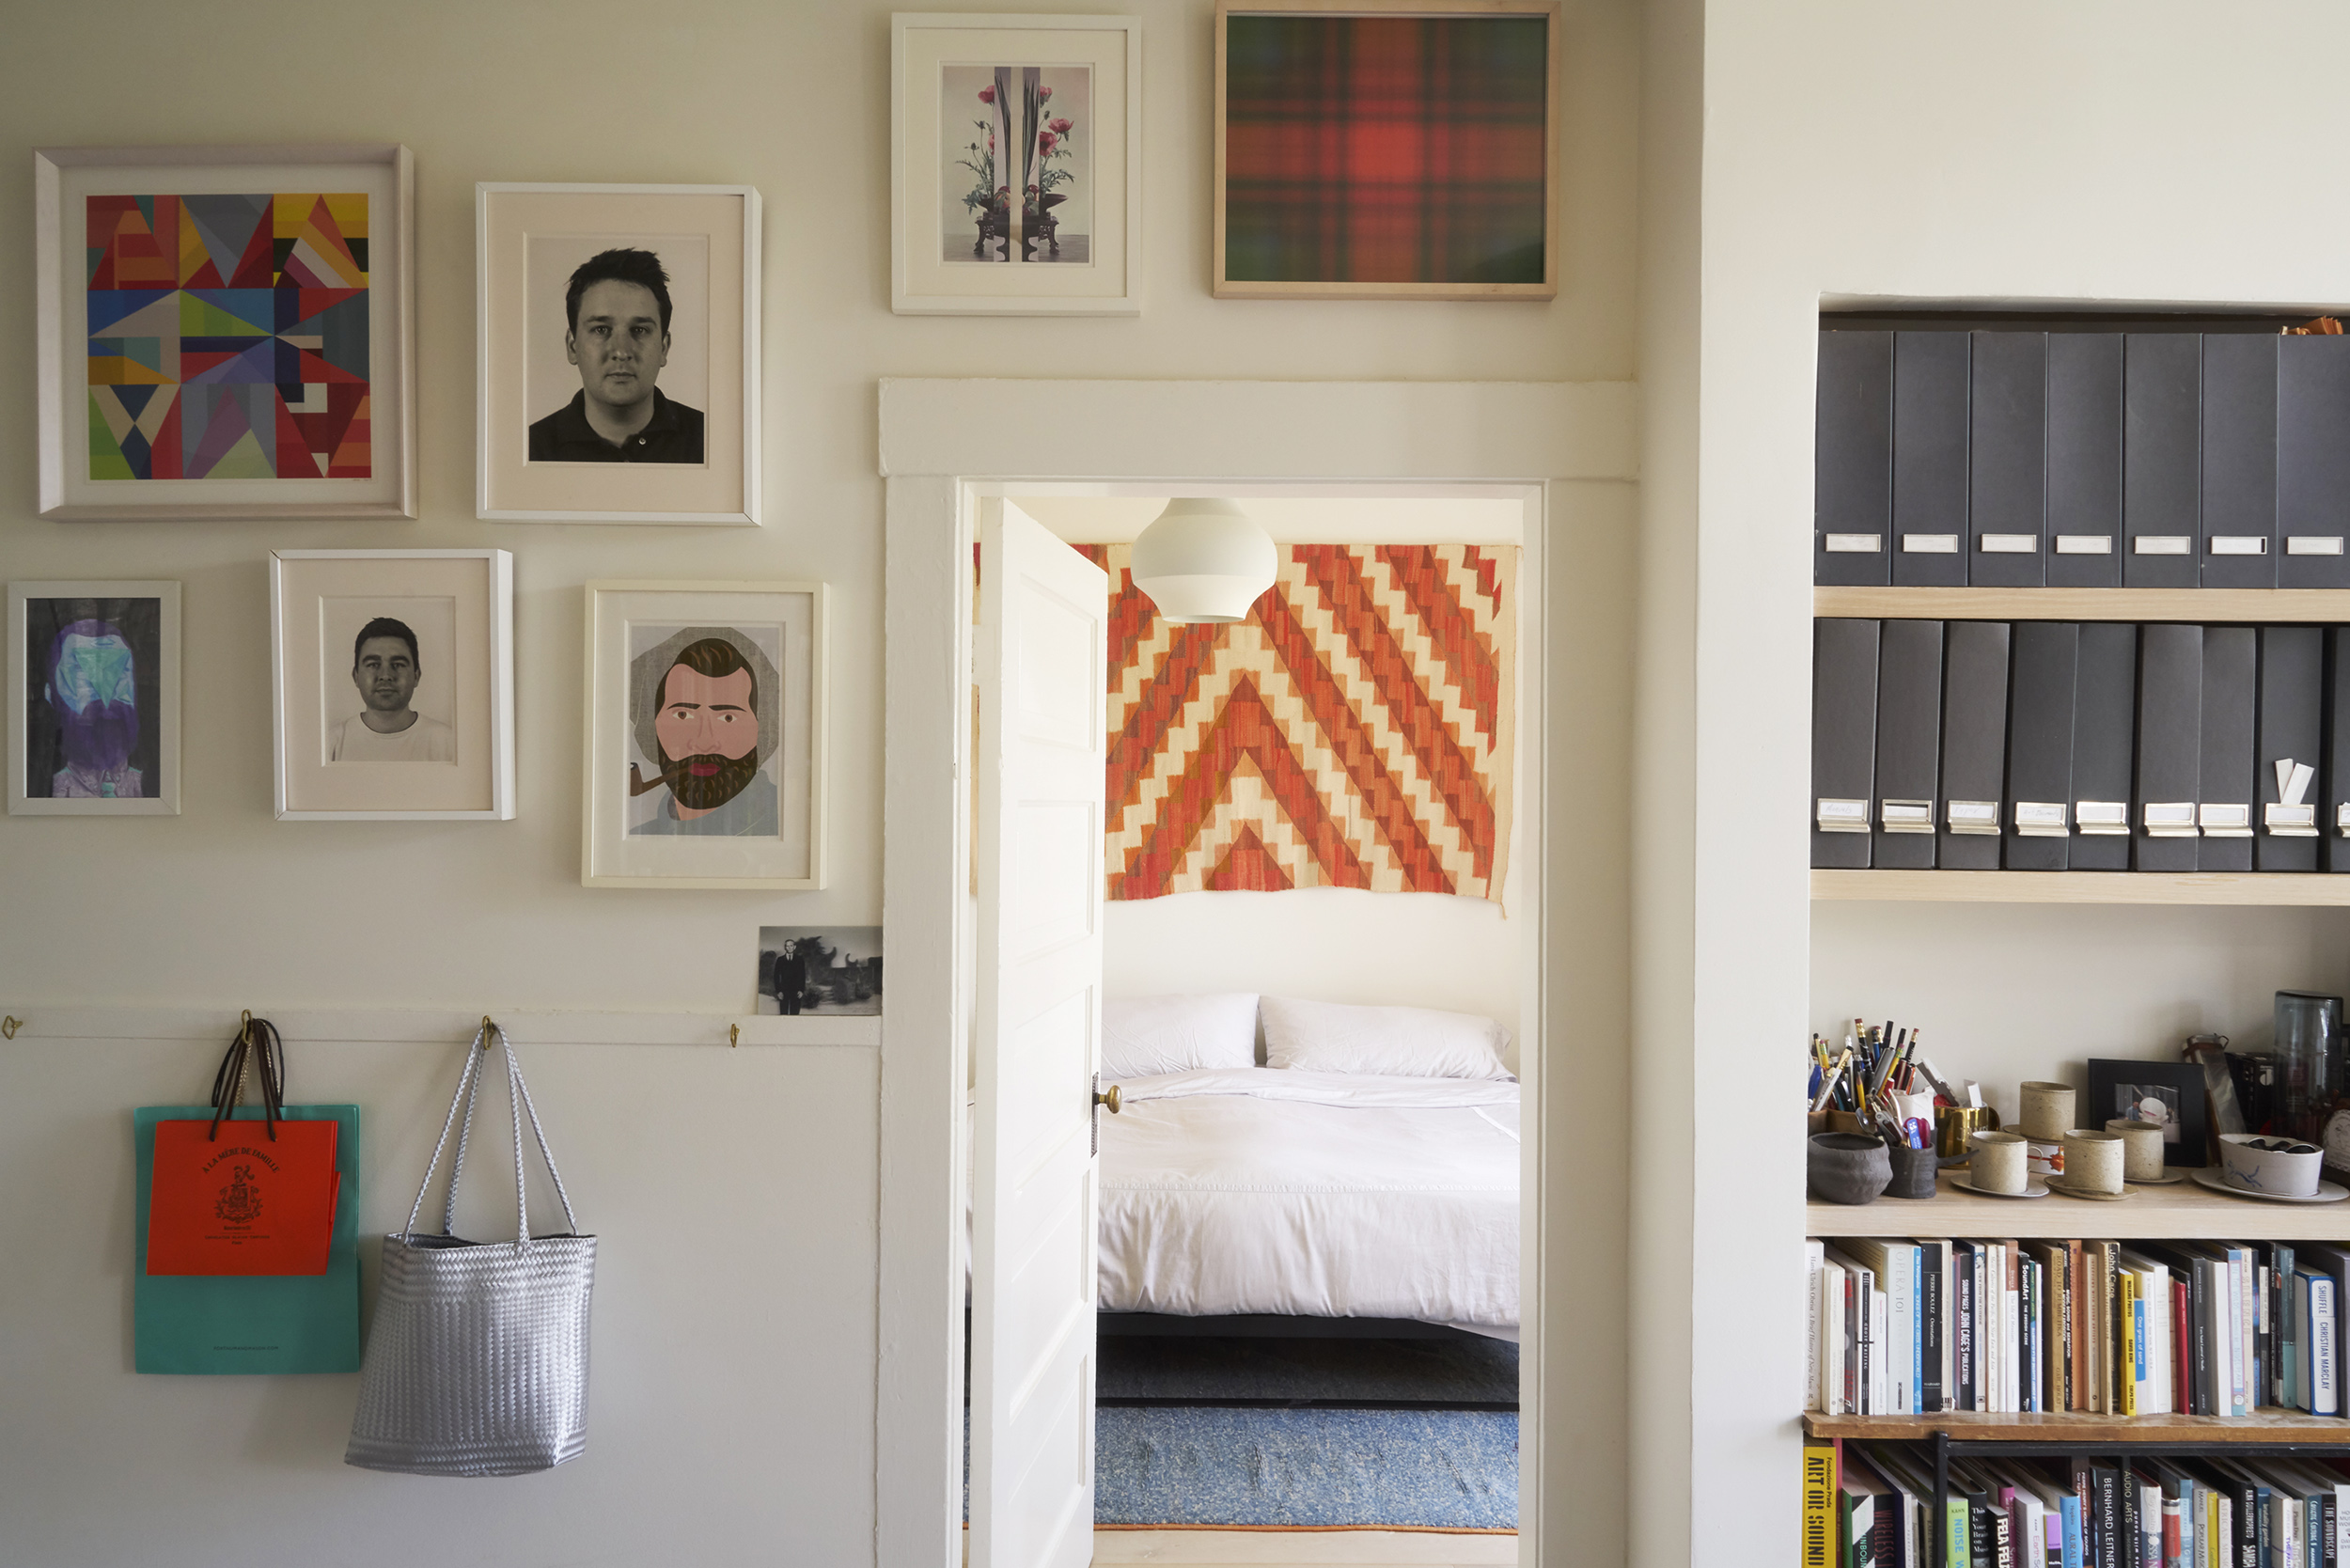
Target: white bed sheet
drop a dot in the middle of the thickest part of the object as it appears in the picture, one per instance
(1314, 1194)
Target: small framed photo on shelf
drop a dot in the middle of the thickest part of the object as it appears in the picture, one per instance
(1387, 149)
(225, 332)
(618, 341)
(1049, 107)
(393, 680)
(705, 735)
(94, 698)
(2170, 1093)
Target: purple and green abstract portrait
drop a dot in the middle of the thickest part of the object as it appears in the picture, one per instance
(92, 668)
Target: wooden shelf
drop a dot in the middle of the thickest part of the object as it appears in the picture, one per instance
(2265, 1426)
(2182, 1210)
(2206, 888)
(1990, 603)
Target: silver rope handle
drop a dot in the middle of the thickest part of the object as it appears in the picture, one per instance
(518, 1095)
(464, 1128)
(473, 1055)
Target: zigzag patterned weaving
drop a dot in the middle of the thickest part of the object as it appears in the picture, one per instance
(1354, 731)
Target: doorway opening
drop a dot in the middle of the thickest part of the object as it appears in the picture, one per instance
(1310, 957)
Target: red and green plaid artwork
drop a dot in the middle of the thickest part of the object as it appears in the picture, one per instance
(1354, 731)
(1385, 148)
(228, 337)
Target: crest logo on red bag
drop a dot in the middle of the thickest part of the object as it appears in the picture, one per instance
(240, 1201)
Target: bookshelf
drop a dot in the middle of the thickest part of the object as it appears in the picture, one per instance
(2215, 606)
(2297, 889)
(2267, 1426)
(2181, 1212)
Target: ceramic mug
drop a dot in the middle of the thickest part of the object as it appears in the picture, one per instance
(2047, 1112)
(2093, 1160)
(1999, 1162)
(2142, 1148)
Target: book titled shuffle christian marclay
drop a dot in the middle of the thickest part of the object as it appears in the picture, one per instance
(243, 1204)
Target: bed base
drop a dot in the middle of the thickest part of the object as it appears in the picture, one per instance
(1273, 1325)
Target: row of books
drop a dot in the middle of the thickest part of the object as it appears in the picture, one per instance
(2101, 745)
(1872, 1505)
(2163, 460)
(1901, 1326)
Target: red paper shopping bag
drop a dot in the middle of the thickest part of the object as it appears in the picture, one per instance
(241, 1202)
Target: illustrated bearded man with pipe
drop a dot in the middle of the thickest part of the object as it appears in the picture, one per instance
(92, 693)
(704, 705)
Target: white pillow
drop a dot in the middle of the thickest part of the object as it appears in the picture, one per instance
(1143, 1036)
(1397, 1042)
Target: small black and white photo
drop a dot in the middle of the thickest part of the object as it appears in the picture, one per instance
(618, 345)
(397, 703)
(834, 970)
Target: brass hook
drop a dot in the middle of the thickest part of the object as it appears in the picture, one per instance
(734, 1034)
(8, 1028)
(488, 1027)
(244, 1025)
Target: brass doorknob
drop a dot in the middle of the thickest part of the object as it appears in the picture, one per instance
(1108, 1098)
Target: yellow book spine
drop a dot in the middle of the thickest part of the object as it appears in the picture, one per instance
(1819, 1505)
(2126, 1372)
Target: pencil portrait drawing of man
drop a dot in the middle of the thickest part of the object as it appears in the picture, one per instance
(91, 689)
(385, 669)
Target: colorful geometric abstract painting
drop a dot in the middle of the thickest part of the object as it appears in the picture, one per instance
(1354, 731)
(228, 337)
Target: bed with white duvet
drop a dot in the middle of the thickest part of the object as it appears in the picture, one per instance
(1325, 1185)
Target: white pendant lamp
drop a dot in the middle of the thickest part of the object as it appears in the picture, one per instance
(1203, 562)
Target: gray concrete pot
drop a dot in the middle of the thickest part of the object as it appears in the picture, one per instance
(1847, 1168)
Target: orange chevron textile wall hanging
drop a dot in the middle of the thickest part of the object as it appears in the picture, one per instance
(1354, 731)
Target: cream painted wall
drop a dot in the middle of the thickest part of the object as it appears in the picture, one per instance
(737, 1192)
(2097, 152)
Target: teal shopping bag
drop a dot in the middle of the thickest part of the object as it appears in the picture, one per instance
(250, 1323)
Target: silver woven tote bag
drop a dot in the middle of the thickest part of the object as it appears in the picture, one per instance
(477, 1364)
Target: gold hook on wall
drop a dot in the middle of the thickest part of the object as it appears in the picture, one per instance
(734, 1034)
(488, 1029)
(8, 1028)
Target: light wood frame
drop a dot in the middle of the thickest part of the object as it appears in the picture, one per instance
(485, 410)
(166, 802)
(598, 740)
(914, 221)
(1547, 289)
(501, 685)
(392, 399)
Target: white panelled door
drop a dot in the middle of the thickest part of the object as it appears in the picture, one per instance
(1042, 644)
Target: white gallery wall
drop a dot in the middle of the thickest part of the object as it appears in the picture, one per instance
(733, 1413)
(1833, 151)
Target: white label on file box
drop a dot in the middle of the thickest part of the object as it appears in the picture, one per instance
(2341, 818)
(1974, 816)
(1854, 544)
(2290, 822)
(2163, 544)
(2226, 822)
(2011, 544)
(1906, 816)
(1930, 545)
(2239, 544)
(2170, 819)
(1843, 816)
(2040, 818)
(2312, 544)
(2102, 816)
(2084, 544)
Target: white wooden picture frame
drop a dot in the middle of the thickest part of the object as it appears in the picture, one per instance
(744, 807)
(530, 240)
(228, 351)
(357, 738)
(80, 654)
(950, 259)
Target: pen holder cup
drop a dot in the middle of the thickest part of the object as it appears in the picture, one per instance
(1849, 1122)
(1814, 1122)
(1913, 1170)
(1955, 1127)
(1846, 1167)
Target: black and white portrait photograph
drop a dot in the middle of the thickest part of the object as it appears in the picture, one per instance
(820, 969)
(398, 701)
(94, 698)
(619, 369)
(393, 683)
(618, 342)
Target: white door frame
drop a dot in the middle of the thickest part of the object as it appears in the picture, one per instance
(945, 443)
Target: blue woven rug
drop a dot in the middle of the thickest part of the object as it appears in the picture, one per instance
(1454, 1469)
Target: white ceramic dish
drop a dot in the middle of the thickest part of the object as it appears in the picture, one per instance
(2035, 1190)
(2327, 1192)
(2063, 1188)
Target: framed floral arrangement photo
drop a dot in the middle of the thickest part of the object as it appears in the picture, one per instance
(1045, 106)
(225, 332)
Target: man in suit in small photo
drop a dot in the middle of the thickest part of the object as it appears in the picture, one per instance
(617, 305)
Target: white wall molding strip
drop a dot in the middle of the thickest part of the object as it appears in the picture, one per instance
(433, 1026)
